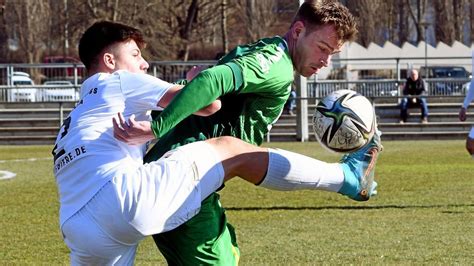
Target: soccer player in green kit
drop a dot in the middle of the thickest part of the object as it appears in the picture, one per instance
(253, 83)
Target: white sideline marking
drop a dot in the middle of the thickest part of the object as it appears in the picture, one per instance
(6, 175)
(26, 160)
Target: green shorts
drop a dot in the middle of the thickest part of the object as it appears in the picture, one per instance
(206, 239)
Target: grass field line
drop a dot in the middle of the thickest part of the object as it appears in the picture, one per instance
(362, 208)
(6, 175)
(25, 160)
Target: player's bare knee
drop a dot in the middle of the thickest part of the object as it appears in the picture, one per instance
(231, 145)
(239, 158)
(226, 147)
(224, 144)
(228, 140)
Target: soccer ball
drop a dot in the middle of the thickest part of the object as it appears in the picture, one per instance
(344, 121)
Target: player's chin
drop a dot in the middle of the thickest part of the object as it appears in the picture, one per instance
(308, 72)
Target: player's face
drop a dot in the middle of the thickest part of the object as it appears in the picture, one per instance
(128, 57)
(313, 49)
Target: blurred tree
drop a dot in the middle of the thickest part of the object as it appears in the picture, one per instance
(28, 23)
(472, 22)
(257, 17)
(402, 24)
(200, 29)
(225, 41)
(417, 12)
(368, 12)
(79, 15)
(4, 56)
(444, 27)
(461, 17)
(175, 27)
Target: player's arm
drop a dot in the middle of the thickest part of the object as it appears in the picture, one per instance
(208, 110)
(135, 132)
(201, 92)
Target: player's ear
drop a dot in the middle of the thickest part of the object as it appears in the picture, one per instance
(297, 29)
(109, 61)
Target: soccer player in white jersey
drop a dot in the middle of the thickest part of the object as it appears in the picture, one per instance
(87, 157)
(109, 200)
(463, 115)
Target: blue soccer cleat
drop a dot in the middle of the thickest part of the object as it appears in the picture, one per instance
(359, 168)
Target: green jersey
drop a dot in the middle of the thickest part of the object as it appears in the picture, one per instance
(253, 82)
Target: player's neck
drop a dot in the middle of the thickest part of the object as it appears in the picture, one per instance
(291, 42)
(99, 69)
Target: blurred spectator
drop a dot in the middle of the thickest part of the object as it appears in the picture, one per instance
(290, 103)
(414, 92)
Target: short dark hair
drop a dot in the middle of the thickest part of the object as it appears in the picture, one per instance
(314, 13)
(102, 35)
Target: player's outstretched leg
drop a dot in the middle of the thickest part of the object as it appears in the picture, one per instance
(359, 170)
(286, 171)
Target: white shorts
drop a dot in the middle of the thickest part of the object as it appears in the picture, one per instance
(155, 198)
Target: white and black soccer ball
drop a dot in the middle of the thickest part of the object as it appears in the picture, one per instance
(344, 121)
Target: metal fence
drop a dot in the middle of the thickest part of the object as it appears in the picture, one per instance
(388, 87)
(61, 82)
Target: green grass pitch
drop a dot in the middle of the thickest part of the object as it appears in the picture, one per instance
(424, 213)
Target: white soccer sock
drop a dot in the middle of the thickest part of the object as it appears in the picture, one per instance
(293, 171)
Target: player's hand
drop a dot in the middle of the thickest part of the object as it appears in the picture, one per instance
(210, 109)
(132, 132)
(462, 114)
(194, 71)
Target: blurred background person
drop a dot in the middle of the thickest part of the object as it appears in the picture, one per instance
(414, 92)
(291, 103)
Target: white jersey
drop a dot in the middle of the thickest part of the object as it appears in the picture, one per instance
(87, 155)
